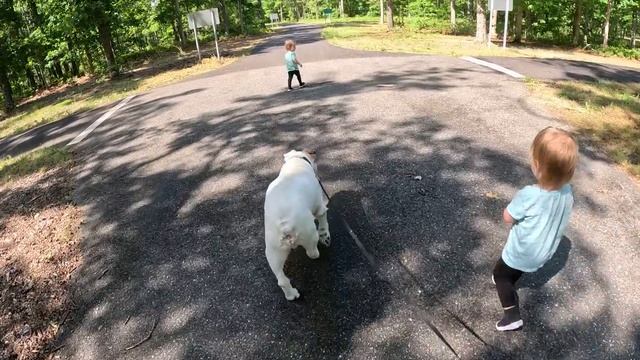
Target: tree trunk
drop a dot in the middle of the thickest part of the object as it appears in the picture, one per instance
(481, 22)
(452, 9)
(42, 75)
(577, 19)
(518, 22)
(57, 69)
(7, 93)
(104, 34)
(381, 12)
(494, 24)
(75, 69)
(178, 21)
(241, 16)
(605, 41)
(390, 14)
(66, 69)
(31, 79)
(33, 10)
(87, 52)
(634, 30)
(225, 17)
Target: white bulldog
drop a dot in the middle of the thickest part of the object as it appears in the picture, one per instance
(293, 202)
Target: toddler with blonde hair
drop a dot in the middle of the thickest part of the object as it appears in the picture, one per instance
(538, 216)
(292, 63)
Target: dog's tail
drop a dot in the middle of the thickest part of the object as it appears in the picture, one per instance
(289, 235)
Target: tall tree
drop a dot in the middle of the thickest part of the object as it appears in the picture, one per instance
(481, 22)
(178, 23)
(494, 24)
(243, 28)
(634, 28)
(390, 14)
(607, 18)
(519, 10)
(7, 92)
(225, 16)
(8, 40)
(577, 20)
(452, 11)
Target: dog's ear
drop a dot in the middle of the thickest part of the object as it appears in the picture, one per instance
(311, 153)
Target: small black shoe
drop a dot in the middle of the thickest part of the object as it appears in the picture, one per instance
(509, 324)
(289, 89)
(303, 85)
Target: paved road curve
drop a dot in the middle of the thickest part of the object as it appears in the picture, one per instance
(567, 70)
(173, 186)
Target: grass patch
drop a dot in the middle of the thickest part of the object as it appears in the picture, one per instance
(335, 19)
(607, 112)
(368, 35)
(89, 93)
(32, 162)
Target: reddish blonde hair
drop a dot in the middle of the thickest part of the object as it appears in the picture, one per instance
(289, 44)
(555, 155)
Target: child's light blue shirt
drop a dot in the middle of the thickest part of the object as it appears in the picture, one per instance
(541, 217)
(290, 61)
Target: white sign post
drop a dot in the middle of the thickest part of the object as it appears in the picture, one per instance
(500, 5)
(274, 18)
(204, 18)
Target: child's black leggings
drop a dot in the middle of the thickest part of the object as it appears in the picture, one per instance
(297, 74)
(506, 278)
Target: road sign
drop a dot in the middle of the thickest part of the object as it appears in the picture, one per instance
(204, 18)
(327, 11)
(502, 5)
(274, 17)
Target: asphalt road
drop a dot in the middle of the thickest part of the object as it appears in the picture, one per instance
(173, 186)
(567, 70)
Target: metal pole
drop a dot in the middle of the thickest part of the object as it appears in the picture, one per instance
(506, 23)
(195, 30)
(215, 34)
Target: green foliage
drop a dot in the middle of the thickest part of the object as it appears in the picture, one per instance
(442, 26)
(619, 51)
(49, 42)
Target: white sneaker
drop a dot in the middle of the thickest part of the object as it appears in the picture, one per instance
(516, 325)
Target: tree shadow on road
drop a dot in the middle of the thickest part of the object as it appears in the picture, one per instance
(174, 215)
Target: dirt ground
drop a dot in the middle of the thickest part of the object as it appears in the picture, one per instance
(38, 253)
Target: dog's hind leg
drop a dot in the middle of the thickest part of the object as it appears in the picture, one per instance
(276, 258)
(323, 226)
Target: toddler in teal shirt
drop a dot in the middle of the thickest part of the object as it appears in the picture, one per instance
(292, 63)
(538, 215)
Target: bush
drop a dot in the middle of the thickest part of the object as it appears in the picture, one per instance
(619, 51)
(440, 26)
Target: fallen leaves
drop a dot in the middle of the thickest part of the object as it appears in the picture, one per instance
(39, 235)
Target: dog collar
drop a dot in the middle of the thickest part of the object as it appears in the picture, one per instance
(307, 160)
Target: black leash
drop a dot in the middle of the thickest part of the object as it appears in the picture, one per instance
(371, 259)
(317, 178)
